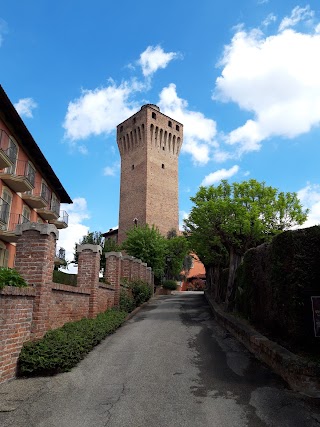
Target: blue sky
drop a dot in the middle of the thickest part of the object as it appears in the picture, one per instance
(242, 76)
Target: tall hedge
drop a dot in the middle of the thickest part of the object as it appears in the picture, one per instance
(275, 283)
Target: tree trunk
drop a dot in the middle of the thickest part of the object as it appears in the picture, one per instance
(216, 280)
(235, 260)
(209, 278)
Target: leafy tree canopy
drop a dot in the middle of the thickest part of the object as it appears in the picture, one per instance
(147, 244)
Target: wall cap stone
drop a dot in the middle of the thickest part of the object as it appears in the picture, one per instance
(89, 247)
(36, 226)
(144, 264)
(129, 257)
(137, 260)
(149, 268)
(116, 254)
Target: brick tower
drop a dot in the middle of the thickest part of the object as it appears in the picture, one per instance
(149, 143)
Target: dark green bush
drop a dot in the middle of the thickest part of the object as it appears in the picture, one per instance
(169, 284)
(141, 291)
(64, 278)
(10, 277)
(275, 282)
(127, 302)
(61, 349)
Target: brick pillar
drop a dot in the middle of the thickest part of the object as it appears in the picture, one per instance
(113, 272)
(126, 267)
(136, 268)
(88, 273)
(143, 271)
(35, 253)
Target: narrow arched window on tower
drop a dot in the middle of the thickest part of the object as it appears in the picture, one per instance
(132, 167)
(162, 166)
(135, 221)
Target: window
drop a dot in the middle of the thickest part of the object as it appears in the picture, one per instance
(25, 215)
(135, 221)
(5, 206)
(163, 148)
(45, 192)
(134, 120)
(55, 204)
(170, 124)
(177, 127)
(132, 167)
(4, 255)
(13, 155)
(154, 116)
(31, 173)
(162, 166)
(121, 128)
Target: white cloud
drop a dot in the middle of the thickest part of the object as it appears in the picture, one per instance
(198, 131)
(263, 1)
(218, 175)
(111, 170)
(3, 29)
(182, 216)
(269, 20)
(298, 14)
(99, 111)
(153, 58)
(310, 198)
(276, 79)
(25, 106)
(78, 212)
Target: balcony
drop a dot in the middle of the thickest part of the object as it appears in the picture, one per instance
(37, 200)
(8, 223)
(4, 157)
(18, 177)
(49, 212)
(62, 221)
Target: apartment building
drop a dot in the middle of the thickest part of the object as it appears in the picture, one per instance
(30, 191)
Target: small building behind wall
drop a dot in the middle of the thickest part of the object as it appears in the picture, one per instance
(30, 191)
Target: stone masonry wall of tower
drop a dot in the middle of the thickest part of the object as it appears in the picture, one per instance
(149, 143)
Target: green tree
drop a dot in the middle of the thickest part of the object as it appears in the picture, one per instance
(147, 244)
(177, 248)
(228, 219)
(92, 238)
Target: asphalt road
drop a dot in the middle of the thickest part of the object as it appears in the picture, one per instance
(170, 365)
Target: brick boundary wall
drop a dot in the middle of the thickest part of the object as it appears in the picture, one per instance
(28, 313)
(16, 310)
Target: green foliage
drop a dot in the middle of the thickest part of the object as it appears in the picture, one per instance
(147, 244)
(111, 246)
(92, 238)
(228, 219)
(141, 291)
(61, 349)
(169, 284)
(177, 248)
(127, 302)
(275, 282)
(10, 277)
(64, 278)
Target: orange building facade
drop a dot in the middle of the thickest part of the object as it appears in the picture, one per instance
(29, 189)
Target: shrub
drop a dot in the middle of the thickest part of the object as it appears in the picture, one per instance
(141, 291)
(61, 349)
(64, 278)
(10, 277)
(127, 302)
(169, 284)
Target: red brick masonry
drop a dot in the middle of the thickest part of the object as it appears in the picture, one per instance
(27, 313)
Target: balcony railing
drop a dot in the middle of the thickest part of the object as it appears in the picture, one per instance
(45, 192)
(62, 221)
(19, 177)
(7, 228)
